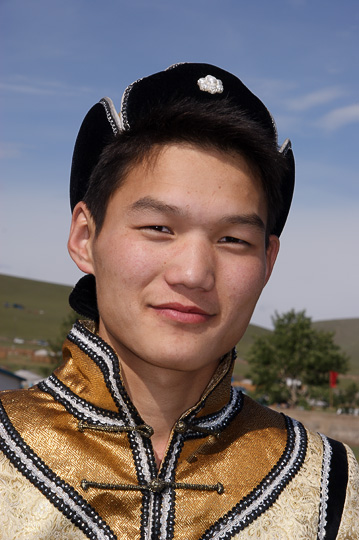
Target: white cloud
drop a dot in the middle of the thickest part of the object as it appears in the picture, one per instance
(41, 88)
(25, 89)
(313, 99)
(270, 90)
(288, 123)
(340, 117)
(10, 150)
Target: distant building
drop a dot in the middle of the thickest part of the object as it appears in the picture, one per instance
(41, 356)
(30, 378)
(10, 381)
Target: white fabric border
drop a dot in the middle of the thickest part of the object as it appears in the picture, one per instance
(327, 456)
(266, 491)
(56, 489)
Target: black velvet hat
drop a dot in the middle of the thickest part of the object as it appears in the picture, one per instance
(200, 82)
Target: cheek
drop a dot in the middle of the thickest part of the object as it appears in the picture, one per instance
(245, 283)
(123, 263)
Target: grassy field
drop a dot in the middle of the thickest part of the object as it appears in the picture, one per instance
(43, 308)
(343, 428)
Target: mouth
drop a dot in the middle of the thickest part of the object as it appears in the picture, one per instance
(189, 314)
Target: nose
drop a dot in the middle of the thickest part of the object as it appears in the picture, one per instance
(192, 265)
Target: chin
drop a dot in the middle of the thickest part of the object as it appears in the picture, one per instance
(185, 361)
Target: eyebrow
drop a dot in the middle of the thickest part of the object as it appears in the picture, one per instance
(150, 204)
(252, 220)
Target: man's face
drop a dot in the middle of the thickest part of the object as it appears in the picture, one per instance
(181, 259)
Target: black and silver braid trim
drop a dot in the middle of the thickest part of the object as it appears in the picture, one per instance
(63, 496)
(78, 407)
(269, 489)
(106, 359)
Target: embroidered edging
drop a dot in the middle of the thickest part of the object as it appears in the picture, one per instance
(110, 118)
(63, 496)
(124, 101)
(141, 448)
(106, 359)
(168, 473)
(324, 488)
(78, 407)
(269, 489)
(217, 421)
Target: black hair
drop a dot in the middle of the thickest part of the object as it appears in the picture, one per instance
(213, 126)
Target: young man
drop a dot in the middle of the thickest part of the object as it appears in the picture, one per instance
(178, 203)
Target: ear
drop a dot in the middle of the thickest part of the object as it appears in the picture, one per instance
(82, 234)
(271, 255)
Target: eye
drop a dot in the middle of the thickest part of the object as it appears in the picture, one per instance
(231, 240)
(158, 228)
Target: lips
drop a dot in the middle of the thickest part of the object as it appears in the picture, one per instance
(189, 314)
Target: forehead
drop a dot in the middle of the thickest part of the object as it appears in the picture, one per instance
(165, 158)
(192, 178)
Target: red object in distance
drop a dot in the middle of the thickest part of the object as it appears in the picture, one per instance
(333, 375)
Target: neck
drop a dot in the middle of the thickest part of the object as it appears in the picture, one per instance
(161, 396)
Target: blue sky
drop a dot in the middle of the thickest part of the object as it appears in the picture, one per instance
(299, 56)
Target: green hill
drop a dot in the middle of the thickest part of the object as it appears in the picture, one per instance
(31, 310)
(346, 335)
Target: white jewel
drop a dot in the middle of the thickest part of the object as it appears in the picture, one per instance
(210, 84)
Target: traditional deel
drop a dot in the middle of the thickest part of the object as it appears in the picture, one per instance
(77, 462)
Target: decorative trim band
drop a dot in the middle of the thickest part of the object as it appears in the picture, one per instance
(106, 359)
(333, 488)
(78, 407)
(63, 496)
(218, 421)
(324, 488)
(268, 491)
(109, 115)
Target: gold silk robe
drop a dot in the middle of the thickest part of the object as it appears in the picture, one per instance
(76, 462)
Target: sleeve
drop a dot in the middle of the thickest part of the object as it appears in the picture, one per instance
(25, 513)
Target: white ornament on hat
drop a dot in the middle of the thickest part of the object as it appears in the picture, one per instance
(210, 84)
